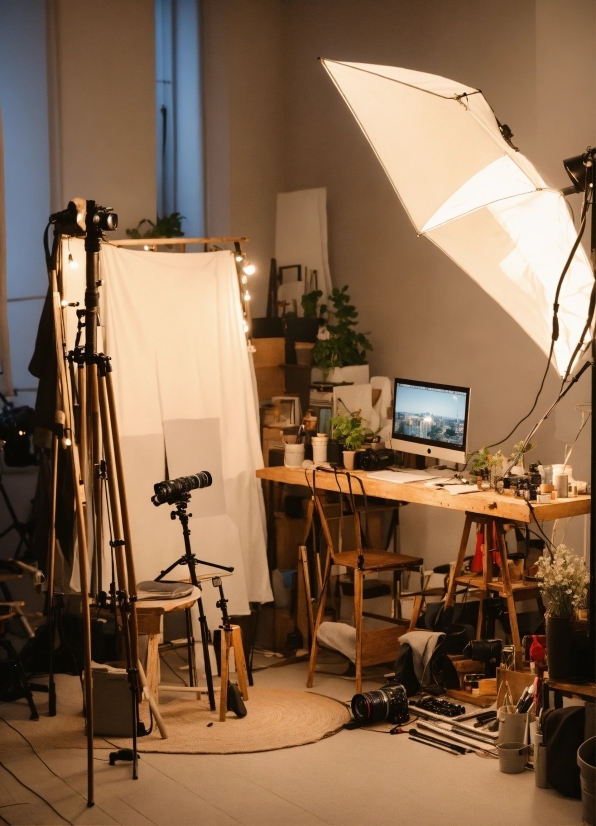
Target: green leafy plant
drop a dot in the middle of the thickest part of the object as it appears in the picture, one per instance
(168, 226)
(348, 430)
(343, 346)
(485, 460)
(309, 303)
(520, 450)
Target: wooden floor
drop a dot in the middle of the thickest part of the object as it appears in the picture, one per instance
(352, 778)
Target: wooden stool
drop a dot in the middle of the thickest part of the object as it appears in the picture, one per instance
(231, 637)
(150, 613)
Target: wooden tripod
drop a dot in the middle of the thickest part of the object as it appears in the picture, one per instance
(96, 458)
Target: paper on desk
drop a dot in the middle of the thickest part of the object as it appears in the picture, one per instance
(400, 476)
(454, 490)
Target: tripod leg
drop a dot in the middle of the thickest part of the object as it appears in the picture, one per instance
(205, 643)
(241, 672)
(59, 422)
(225, 663)
(190, 641)
(81, 535)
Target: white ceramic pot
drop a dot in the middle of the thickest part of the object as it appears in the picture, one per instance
(294, 455)
(349, 456)
(356, 373)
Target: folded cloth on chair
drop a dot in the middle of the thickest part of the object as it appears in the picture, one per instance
(339, 636)
(423, 644)
(149, 589)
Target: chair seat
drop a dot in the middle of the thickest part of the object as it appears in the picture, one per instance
(377, 560)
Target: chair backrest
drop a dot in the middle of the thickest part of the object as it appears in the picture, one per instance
(348, 487)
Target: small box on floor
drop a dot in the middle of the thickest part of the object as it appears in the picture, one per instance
(112, 703)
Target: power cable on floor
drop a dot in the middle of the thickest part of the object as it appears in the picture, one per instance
(25, 786)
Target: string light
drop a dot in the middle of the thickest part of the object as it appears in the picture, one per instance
(244, 279)
(247, 296)
(249, 269)
(245, 327)
(74, 265)
(238, 254)
(64, 303)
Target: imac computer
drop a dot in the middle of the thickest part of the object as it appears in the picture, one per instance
(430, 419)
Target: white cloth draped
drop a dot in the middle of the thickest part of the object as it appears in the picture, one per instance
(183, 381)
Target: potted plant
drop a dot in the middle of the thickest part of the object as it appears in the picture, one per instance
(564, 583)
(348, 430)
(519, 451)
(168, 226)
(339, 345)
(486, 465)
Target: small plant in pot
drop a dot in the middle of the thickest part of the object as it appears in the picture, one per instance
(486, 465)
(339, 344)
(350, 433)
(564, 584)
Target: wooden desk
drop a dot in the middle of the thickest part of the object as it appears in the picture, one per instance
(485, 507)
(481, 502)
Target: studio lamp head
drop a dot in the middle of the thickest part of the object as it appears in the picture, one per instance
(577, 169)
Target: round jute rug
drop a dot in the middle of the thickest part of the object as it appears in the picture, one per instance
(276, 719)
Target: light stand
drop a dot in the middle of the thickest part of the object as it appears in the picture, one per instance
(582, 171)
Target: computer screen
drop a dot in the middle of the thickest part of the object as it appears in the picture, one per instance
(430, 419)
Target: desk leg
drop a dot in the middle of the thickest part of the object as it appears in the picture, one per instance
(450, 596)
(507, 590)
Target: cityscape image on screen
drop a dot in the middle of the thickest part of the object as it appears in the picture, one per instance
(430, 413)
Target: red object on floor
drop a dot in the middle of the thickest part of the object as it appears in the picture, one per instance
(477, 561)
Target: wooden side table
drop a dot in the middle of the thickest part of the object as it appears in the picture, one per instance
(149, 614)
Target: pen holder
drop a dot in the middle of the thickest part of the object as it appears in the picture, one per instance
(512, 726)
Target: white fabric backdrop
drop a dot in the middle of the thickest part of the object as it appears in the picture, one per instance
(185, 396)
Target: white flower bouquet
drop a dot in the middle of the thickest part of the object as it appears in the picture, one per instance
(564, 581)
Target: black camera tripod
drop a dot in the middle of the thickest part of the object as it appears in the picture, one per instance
(191, 560)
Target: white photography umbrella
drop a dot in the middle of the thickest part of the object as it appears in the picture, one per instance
(467, 189)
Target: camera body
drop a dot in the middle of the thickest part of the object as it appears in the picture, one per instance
(174, 490)
(376, 459)
(81, 217)
(388, 704)
(524, 487)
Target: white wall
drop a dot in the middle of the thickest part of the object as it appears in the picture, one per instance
(244, 98)
(102, 105)
(534, 61)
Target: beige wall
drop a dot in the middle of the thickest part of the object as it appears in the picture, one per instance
(244, 101)
(535, 62)
(102, 105)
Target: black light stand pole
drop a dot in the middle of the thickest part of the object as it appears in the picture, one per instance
(590, 164)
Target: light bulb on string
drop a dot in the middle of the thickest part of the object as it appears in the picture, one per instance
(244, 279)
(245, 327)
(249, 269)
(238, 254)
(247, 296)
(74, 265)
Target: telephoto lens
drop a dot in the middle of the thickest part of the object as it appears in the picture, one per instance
(376, 459)
(171, 491)
(387, 704)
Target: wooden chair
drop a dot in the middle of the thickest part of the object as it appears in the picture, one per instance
(374, 646)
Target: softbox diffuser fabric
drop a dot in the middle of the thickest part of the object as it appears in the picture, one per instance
(183, 380)
(473, 194)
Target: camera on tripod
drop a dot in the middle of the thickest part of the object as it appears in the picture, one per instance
(80, 216)
(172, 490)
